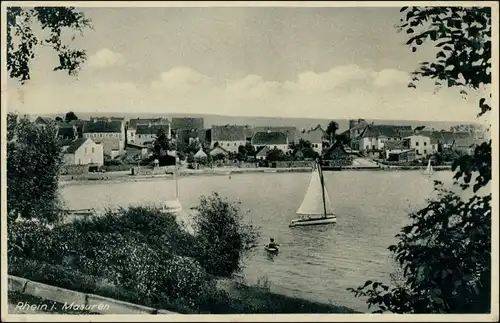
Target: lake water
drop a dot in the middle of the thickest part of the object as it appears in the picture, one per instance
(316, 263)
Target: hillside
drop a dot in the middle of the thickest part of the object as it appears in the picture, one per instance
(271, 121)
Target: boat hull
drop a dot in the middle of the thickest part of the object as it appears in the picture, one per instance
(314, 221)
(272, 250)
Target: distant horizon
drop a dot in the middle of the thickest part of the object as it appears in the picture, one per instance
(180, 114)
(295, 62)
(299, 123)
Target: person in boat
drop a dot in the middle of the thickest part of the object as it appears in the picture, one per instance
(272, 244)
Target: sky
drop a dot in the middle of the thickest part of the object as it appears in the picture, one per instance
(275, 62)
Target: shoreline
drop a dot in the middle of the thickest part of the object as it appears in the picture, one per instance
(127, 177)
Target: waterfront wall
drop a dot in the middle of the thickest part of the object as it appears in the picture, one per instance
(66, 296)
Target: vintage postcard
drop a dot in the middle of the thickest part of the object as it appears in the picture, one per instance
(250, 161)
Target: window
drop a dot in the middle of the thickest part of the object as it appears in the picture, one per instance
(100, 135)
(425, 151)
(275, 147)
(425, 143)
(373, 147)
(367, 147)
(416, 143)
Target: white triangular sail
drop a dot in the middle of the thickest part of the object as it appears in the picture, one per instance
(313, 200)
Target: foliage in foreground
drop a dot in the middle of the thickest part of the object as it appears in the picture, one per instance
(143, 250)
(223, 236)
(33, 164)
(22, 40)
(444, 255)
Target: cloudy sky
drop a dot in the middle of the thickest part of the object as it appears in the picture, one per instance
(294, 62)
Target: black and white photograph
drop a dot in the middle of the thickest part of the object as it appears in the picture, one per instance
(211, 160)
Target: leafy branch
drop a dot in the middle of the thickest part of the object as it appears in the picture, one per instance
(22, 41)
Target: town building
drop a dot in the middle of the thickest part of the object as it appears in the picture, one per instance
(187, 130)
(145, 135)
(290, 132)
(218, 151)
(421, 144)
(372, 139)
(315, 137)
(133, 123)
(135, 152)
(262, 153)
(111, 134)
(229, 137)
(67, 133)
(83, 151)
(404, 156)
(395, 147)
(271, 140)
(43, 121)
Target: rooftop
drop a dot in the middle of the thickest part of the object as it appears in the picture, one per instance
(102, 126)
(151, 130)
(314, 135)
(73, 147)
(269, 138)
(228, 133)
(290, 132)
(187, 123)
(133, 123)
(379, 130)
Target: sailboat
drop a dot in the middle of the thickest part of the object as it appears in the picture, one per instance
(173, 206)
(316, 208)
(428, 171)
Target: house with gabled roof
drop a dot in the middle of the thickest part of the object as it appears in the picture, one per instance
(145, 135)
(218, 151)
(111, 134)
(229, 137)
(67, 131)
(43, 121)
(314, 136)
(262, 153)
(133, 123)
(83, 151)
(271, 140)
(395, 147)
(188, 130)
(373, 137)
(290, 132)
(421, 144)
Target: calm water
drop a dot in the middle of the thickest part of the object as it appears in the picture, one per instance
(317, 263)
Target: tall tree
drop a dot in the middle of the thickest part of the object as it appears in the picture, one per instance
(331, 129)
(161, 143)
(33, 164)
(444, 254)
(22, 22)
(70, 116)
(33, 153)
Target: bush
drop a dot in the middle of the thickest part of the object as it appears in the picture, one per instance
(28, 240)
(137, 248)
(223, 237)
